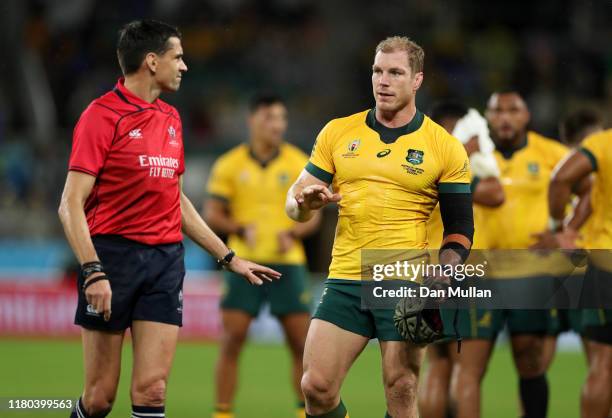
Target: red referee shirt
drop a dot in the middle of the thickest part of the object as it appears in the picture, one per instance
(135, 151)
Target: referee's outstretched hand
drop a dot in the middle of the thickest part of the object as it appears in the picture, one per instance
(316, 196)
(99, 295)
(254, 273)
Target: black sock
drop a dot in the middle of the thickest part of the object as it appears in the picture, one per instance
(148, 411)
(79, 411)
(337, 412)
(534, 395)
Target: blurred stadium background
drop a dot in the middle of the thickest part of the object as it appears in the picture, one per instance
(60, 54)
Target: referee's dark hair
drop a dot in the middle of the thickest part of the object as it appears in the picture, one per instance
(138, 38)
(264, 99)
(447, 109)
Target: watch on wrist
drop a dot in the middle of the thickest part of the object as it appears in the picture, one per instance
(224, 262)
(91, 267)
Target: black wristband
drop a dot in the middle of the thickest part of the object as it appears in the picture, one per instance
(91, 267)
(458, 248)
(223, 262)
(92, 281)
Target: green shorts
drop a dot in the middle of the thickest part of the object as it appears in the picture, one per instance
(485, 324)
(596, 317)
(286, 296)
(340, 305)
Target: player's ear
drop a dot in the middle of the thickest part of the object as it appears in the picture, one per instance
(151, 62)
(418, 80)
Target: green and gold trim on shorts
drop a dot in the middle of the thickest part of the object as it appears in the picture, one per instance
(340, 304)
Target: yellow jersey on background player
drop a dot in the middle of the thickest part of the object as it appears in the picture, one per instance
(388, 189)
(471, 129)
(597, 148)
(256, 194)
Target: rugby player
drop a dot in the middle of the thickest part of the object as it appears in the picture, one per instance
(247, 189)
(389, 166)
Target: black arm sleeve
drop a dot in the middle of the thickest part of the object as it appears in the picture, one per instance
(457, 215)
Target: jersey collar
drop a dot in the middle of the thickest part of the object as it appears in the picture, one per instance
(508, 152)
(390, 135)
(266, 163)
(130, 98)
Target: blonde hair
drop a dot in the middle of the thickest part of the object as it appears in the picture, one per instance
(416, 55)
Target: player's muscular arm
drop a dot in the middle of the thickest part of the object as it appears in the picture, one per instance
(489, 192)
(568, 176)
(196, 229)
(583, 208)
(72, 215)
(307, 195)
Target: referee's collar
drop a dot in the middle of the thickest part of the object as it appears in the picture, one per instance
(130, 98)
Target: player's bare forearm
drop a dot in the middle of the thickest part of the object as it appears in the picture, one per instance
(295, 211)
(72, 215)
(218, 218)
(583, 209)
(196, 229)
(568, 173)
(307, 195)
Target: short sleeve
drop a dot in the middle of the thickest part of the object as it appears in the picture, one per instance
(594, 147)
(181, 169)
(456, 176)
(220, 183)
(321, 163)
(92, 139)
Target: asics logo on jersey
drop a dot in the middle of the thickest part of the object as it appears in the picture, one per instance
(384, 153)
(135, 133)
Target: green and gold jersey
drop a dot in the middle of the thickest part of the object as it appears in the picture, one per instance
(596, 147)
(389, 180)
(256, 194)
(525, 177)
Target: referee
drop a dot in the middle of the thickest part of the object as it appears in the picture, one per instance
(123, 210)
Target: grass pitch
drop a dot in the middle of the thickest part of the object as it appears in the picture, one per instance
(53, 369)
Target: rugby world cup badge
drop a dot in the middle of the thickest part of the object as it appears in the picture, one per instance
(352, 148)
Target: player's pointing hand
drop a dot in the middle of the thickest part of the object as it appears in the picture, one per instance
(254, 273)
(316, 196)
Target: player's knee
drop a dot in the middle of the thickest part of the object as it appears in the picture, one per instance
(317, 389)
(151, 393)
(232, 344)
(529, 364)
(401, 385)
(98, 400)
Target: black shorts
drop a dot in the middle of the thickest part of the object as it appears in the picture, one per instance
(146, 280)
